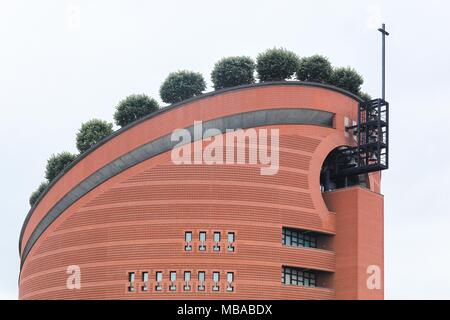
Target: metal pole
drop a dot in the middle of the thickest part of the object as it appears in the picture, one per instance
(384, 33)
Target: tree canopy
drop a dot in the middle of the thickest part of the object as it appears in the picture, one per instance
(182, 85)
(36, 194)
(315, 68)
(233, 71)
(57, 163)
(347, 78)
(91, 132)
(134, 107)
(276, 64)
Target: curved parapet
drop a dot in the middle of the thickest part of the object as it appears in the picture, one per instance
(121, 212)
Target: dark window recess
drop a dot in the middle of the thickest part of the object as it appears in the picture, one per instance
(231, 239)
(201, 281)
(173, 281)
(188, 240)
(216, 237)
(298, 277)
(230, 281)
(131, 281)
(299, 238)
(187, 281)
(144, 281)
(202, 239)
(158, 278)
(216, 279)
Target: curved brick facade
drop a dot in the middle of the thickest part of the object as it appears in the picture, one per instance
(135, 221)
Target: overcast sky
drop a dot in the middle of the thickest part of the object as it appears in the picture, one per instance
(65, 62)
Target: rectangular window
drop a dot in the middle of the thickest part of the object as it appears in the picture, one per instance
(201, 281)
(158, 278)
(230, 239)
(131, 280)
(216, 278)
(299, 238)
(230, 280)
(202, 238)
(144, 281)
(173, 281)
(216, 241)
(187, 281)
(298, 277)
(188, 240)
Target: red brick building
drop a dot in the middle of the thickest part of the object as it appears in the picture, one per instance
(140, 227)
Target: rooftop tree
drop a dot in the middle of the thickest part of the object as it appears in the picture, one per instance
(233, 71)
(276, 64)
(92, 132)
(315, 68)
(365, 96)
(134, 107)
(57, 163)
(36, 194)
(182, 85)
(347, 78)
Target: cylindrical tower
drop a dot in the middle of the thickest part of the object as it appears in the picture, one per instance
(125, 221)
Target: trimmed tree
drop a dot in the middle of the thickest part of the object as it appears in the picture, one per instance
(347, 78)
(57, 163)
(233, 71)
(315, 68)
(182, 85)
(92, 132)
(35, 195)
(365, 96)
(276, 64)
(134, 107)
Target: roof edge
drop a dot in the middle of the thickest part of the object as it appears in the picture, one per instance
(167, 109)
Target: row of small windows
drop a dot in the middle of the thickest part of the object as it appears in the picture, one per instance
(299, 238)
(298, 277)
(216, 243)
(201, 284)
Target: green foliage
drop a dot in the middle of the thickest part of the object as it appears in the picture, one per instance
(365, 96)
(134, 107)
(233, 71)
(92, 132)
(276, 64)
(57, 163)
(35, 195)
(315, 68)
(182, 85)
(347, 79)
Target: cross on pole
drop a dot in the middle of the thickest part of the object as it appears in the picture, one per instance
(384, 33)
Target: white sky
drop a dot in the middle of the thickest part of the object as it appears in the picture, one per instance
(64, 62)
